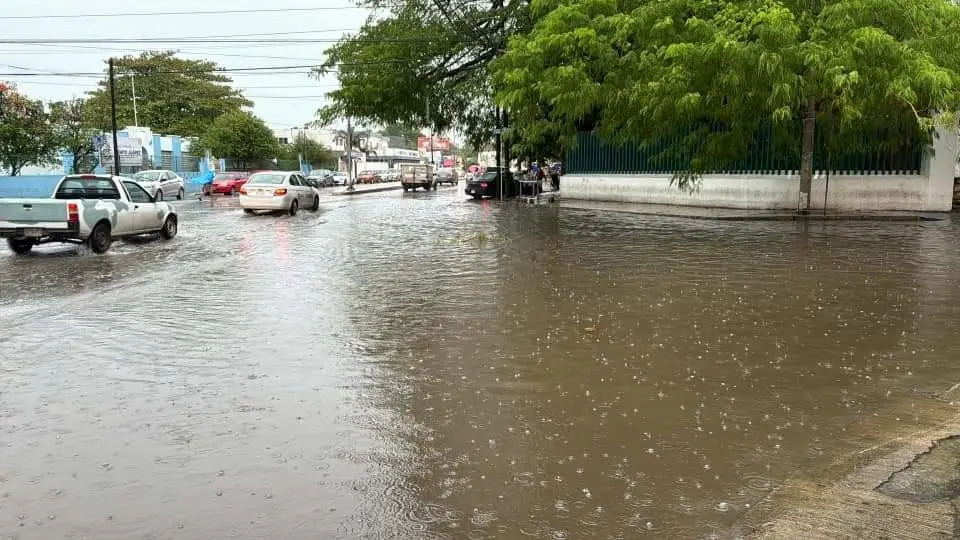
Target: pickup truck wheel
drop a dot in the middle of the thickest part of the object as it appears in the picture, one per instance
(316, 204)
(20, 246)
(100, 238)
(180, 194)
(294, 206)
(169, 229)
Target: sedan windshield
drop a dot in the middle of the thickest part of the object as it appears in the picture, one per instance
(147, 176)
(225, 177)
(489, 176)
(267, 178)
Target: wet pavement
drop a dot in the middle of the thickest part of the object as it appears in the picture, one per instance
(421, 366)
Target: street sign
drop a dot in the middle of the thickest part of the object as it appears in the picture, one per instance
(498, 131)
(98, 141)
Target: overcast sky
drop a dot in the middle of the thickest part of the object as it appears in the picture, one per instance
(282, 100)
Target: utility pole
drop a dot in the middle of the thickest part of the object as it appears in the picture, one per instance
(429, 125)
(113, 121)
(349, 155)
(133, 86)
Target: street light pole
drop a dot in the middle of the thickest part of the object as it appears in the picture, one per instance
(113, 120)
(349, 155)
(133, 86)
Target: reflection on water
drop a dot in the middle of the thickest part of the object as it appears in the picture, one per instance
(422, 367)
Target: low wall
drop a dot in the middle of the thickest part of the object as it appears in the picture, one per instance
(929, 191)
(762, 192)
(17, 187)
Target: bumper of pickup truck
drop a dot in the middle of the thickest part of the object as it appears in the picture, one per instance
(41, 232)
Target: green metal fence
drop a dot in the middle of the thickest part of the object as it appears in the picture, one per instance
(774, 150)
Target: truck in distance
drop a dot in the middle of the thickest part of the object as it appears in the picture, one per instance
(414, 175)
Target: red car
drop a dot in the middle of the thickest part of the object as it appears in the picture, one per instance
(229, 182)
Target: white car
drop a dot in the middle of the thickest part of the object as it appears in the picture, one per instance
(161, 183)
(339, 178)
(278, 191)
(87, 209)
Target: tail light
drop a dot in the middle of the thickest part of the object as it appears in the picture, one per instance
(73, 213)
(243, 191)
(483, 184)
(279, 192)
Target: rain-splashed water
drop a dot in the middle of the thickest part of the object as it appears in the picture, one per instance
(415, 366)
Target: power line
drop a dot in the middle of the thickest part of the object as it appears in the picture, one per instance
(260, 69)
(164, 39)
(28, 41)
(176, 13)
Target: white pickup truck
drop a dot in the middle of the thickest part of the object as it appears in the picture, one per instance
(91, 209)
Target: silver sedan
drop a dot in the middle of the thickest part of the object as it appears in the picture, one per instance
(278, 191)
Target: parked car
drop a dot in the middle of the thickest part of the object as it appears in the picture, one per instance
(339, 178)
(278, 191)
(322, 179)
(229, 182)
(368, 177)
(488, 184)
(86, 209)
(447, 175)
(390, 175)
(161, 183)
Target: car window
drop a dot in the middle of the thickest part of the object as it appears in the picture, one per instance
(266, 178)
(294, 181)
(137, 193)
(87, 188)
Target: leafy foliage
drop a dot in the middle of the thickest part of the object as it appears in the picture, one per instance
(240, 137)
(26, 134)
(74, 132)
(423, 63)
(313, 152)
(408, 134)
(721, 71)
(174, 95)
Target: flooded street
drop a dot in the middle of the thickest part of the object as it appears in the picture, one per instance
(421, 366)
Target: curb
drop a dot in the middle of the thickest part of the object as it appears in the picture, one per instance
(717, 216)
(365, 191)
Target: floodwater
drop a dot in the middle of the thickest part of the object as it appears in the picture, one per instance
(421, 366)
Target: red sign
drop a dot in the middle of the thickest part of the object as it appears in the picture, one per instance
(440, 144)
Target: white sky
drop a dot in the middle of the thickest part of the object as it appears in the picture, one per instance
(282, 100)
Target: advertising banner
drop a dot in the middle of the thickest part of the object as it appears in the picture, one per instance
(440, 144)
(131, 152)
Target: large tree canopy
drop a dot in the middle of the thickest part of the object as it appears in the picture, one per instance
(638, 69)
(240, 137)
(174, 95)
(75, 133)
(27, 136)
(423, 63)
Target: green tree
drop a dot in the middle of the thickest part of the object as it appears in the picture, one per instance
(636, 70)
(313, 152)
(423, 63)
(409, 135)
(26, 134)
(74, 132)
(241, 137)
(174, 95)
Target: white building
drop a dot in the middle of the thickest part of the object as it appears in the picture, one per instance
(367, 148)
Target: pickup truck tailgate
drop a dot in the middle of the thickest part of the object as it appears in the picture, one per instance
(44, 213)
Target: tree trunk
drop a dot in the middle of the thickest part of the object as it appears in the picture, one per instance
(806, 156)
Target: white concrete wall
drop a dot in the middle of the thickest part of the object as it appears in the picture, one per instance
(930, 191)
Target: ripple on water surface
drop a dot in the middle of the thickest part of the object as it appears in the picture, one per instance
(384, 370)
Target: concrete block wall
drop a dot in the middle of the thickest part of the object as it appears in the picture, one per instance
(930, 191)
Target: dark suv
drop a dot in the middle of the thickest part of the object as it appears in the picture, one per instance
(488, 184)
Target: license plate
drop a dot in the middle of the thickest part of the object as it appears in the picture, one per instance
(33, 233)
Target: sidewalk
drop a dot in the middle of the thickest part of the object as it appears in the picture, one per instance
(734, 214)
(361, 189)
